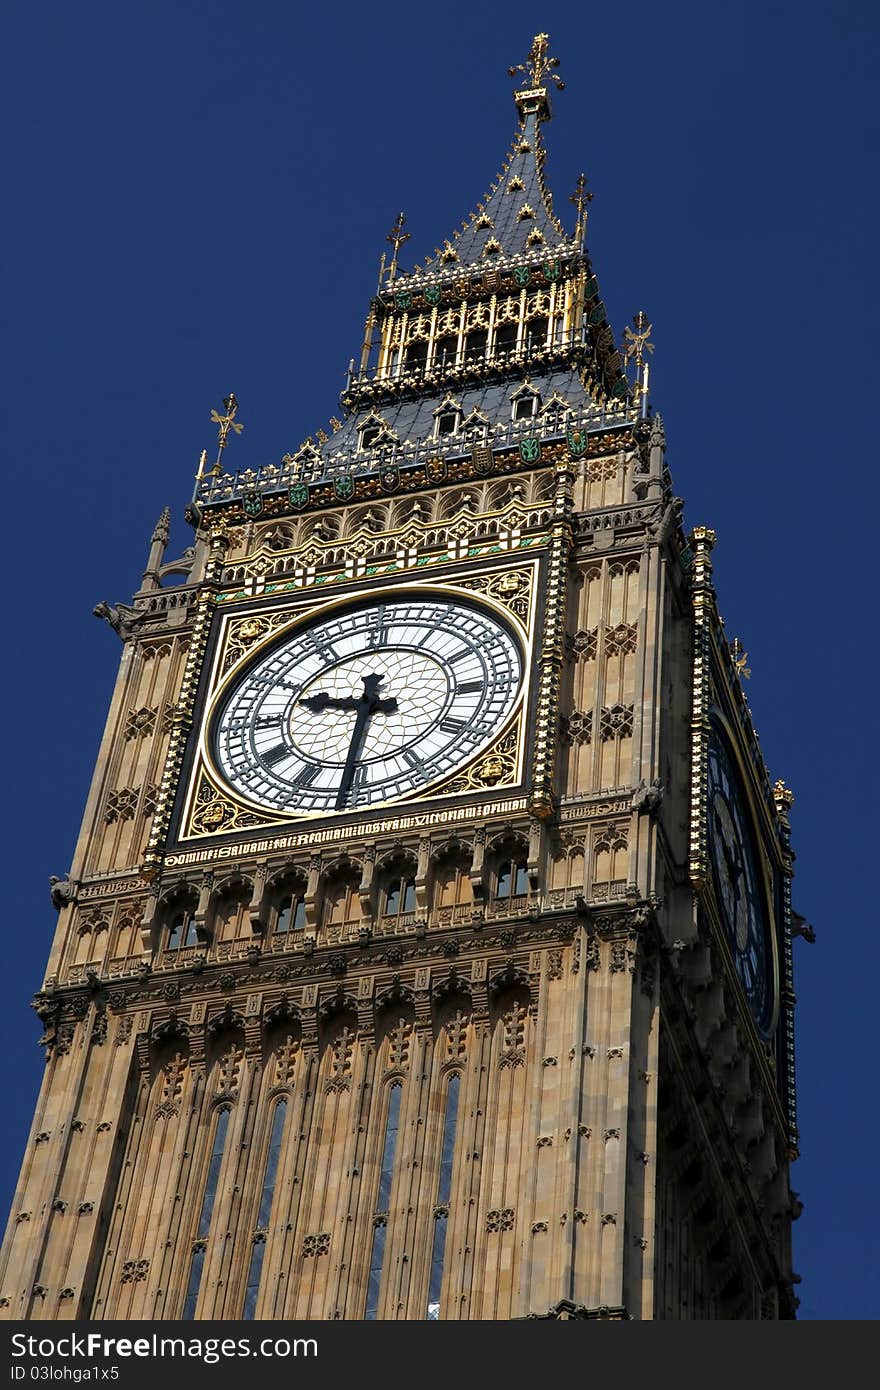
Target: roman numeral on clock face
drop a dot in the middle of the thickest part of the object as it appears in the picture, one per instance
(452, 726)
(274, 755)
(469, 687)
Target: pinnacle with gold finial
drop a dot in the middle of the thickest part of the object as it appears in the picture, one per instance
(740, 656)
(398, 237)
(581, 197)
(226, 423)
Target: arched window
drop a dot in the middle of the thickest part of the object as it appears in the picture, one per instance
(383, 1201)
(181, 931)
(209, 1195)
(270, 1175)
(452, 883)
(400, 896)
(444, 1190)
(291, 913)
(342, 903)
(512, 878)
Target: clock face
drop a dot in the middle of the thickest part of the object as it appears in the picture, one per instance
(739, 884)
(368, 705)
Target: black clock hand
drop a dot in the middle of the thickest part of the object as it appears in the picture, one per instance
(370, 703)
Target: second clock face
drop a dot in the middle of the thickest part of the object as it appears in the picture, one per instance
(739, 885)
(368, 706)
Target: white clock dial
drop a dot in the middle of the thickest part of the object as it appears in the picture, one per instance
(368, 706)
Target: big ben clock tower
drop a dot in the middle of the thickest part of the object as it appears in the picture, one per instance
(426, 951)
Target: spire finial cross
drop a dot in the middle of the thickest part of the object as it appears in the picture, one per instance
(538, 65)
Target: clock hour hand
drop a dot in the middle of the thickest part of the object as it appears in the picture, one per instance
(370, 703)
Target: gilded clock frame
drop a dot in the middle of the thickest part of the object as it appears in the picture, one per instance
(205, 786)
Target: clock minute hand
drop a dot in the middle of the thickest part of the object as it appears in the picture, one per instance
(370, 703)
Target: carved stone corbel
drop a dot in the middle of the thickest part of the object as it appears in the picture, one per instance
(197, 1036)
(476, 874)
(533, 866)
(257, 904)
(201, 914)
(313, 884)
(253, 1026)
(422, 998)
(148, 921)
(422, 869)
(365, 887)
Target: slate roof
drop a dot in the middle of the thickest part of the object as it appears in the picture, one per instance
(518, 190)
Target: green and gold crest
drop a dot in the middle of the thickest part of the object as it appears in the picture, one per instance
(577, 442)
(252, 503)
(343, 487)
(530, 450)
(299, 495)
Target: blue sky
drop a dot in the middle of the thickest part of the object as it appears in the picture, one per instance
(196, 198)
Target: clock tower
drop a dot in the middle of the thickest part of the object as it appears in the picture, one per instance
(426, 951)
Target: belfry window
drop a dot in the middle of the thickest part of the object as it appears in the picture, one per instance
(505, 339)
(182, 931)
(445, 351)
(536, 334)
(270, 1175)
(370, 433)
(416, 356)
(475, 346)
(512, 880)
(444, 1190)
(383, 1201)
(209, 1195)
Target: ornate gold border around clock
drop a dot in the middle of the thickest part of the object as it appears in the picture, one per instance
(211, 808)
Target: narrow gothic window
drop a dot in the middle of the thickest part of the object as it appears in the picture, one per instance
(207, 1211)
(383, 1199)
(444, 1189)
(279, 1115)
(182, 931)
(513, 879)
(291, 914)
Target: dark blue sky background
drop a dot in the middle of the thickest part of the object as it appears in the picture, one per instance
(196, 197)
